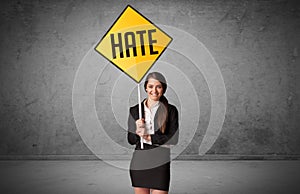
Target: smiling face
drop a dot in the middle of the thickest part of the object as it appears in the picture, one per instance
(154, 89)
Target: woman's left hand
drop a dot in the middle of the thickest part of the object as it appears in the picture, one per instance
(147, 137)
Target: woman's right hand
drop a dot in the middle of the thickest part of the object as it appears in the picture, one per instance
(140, 127)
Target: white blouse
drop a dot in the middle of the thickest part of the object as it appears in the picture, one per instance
(149, 119)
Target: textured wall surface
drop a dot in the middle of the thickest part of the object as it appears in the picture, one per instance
(255, 43)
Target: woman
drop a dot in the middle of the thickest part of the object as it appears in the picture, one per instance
(158, 129)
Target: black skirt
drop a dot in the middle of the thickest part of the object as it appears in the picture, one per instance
(150, 168)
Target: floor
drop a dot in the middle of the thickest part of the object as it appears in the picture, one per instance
(199, 177)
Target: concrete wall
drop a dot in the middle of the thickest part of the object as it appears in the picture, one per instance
(255, 43)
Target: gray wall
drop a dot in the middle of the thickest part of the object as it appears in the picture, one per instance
(255, 43)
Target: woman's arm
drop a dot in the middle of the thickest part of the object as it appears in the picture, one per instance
(172, 133)
(132, 137)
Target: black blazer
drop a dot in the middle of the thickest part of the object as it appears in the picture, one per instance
(169, 137)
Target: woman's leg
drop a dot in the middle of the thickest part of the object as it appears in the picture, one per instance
(154, 191)
(139, 190)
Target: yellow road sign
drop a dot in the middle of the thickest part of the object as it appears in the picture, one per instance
(133, 43)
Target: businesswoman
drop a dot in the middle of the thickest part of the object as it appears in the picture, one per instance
(158, 129)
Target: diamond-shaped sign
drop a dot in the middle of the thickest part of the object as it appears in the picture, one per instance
(133, 43)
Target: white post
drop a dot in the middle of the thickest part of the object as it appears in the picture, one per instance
(140, 111)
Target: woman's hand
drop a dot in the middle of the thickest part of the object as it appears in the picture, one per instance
(141, 130)
(140, 127)
(147, 137)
